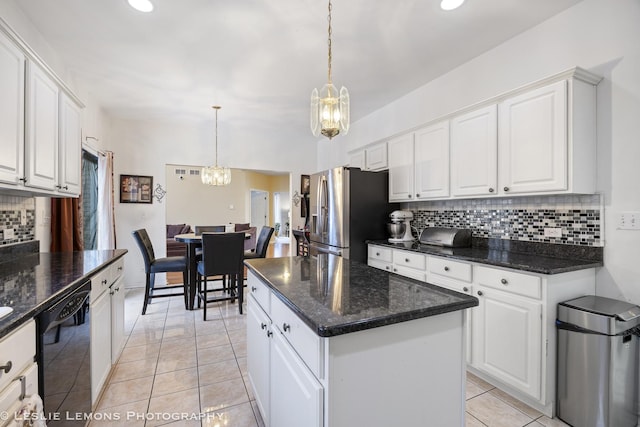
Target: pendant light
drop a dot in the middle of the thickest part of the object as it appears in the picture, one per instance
(329, 108)
(216, 175)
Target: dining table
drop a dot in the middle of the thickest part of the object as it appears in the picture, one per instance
(193, 241)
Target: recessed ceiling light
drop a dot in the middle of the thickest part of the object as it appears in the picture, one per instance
(450, 4)
(141, 5)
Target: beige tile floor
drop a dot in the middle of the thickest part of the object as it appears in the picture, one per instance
(178, 370)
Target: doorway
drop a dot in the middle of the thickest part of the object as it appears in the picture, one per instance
(281, 212)
(259, 208)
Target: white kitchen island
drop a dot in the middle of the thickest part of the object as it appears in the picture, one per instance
(335, 343)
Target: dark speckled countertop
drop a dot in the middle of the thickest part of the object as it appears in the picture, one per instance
(557, 258)
(31, 282)
(335, 296)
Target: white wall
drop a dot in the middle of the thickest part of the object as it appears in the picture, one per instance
(601, 36)
(145, 147)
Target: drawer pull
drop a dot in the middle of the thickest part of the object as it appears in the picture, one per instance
(504, 282)
(387, 267)
(269, 334)
(406, 260)
(465, 289)
(395, 269)
(377, 253)
(104, 282)
(253, 289)
(6, 368)
(120, 268)
(263, 326)
(480, 293)
(286, 327)
(446, 268)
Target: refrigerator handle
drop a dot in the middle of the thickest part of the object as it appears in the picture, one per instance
(322, 205)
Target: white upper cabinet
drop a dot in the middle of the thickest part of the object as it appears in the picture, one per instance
(356, 160)
(538, 139)
(12, 62)
(474, 143)
(40, 137)
(70, 147)
(42, 129)
(401, 172)
(432, 161)
(533, 140)
(376, 157)
(372, 158)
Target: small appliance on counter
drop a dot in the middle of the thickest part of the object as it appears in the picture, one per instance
(400, 226)
(446, 237)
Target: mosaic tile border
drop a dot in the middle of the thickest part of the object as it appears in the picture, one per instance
(19, 214)
(579, 227)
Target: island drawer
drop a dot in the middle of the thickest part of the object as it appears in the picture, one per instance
(449, 268)
(379, 253)
(18, 350)
(100, 282)
(116, 269)
(509, 281)
(303, 340)
(259, 291)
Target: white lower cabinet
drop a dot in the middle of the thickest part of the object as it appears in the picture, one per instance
(17, 367)
(297, 394)
(107, 324)
(410, 371)
(507, 338)
(259, 355)
(511, 334)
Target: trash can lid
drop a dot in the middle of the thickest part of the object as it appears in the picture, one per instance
(593, 312)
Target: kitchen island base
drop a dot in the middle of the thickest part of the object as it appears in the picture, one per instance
(409, 373)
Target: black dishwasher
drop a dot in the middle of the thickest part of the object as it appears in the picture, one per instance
(63, 353)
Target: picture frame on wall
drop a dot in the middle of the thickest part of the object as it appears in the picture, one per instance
(136, 189)
(305, 184)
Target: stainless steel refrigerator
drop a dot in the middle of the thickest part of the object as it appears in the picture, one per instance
(348, 206)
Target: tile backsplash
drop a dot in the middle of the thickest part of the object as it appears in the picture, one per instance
(578, 217)
(17, 214)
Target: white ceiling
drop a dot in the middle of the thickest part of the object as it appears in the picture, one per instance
(260, 59)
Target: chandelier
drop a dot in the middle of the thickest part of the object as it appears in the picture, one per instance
(329, 108)
(216, 175)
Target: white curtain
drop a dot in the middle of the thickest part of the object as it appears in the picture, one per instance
(106, 217)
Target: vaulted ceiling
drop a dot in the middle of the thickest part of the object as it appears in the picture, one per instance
(260, 59)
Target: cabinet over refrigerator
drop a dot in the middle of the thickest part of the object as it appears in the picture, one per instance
(348, 206)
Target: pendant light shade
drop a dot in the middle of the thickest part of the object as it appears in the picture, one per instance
(216, 175)
(329, 108)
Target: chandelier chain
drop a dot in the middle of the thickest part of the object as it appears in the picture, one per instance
(329, 42)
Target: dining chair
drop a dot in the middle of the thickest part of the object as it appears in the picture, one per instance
(262, 245)
(199, 229)
(222, 255)
(153, 265)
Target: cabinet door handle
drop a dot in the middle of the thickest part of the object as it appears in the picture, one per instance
(112, 292)
(418, 195)
(66, 187)
(409, 195)
(465, 289)
(253, 289)
(480, 293)
(395, 269)
(104, 282)
(286, 327)
(263, 326)
(377, 253)
(120, 268)
(23, 179)
(269, 334)
(504, 282)
(446, 268)
(387, 267)
(506, 188)
(406, 260)
(7, 367)
(491, 190)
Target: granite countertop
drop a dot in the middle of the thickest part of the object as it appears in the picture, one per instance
(335, 296)
(554, 260)
(30, 283)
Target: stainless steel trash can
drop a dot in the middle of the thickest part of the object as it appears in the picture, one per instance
(597, 372)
